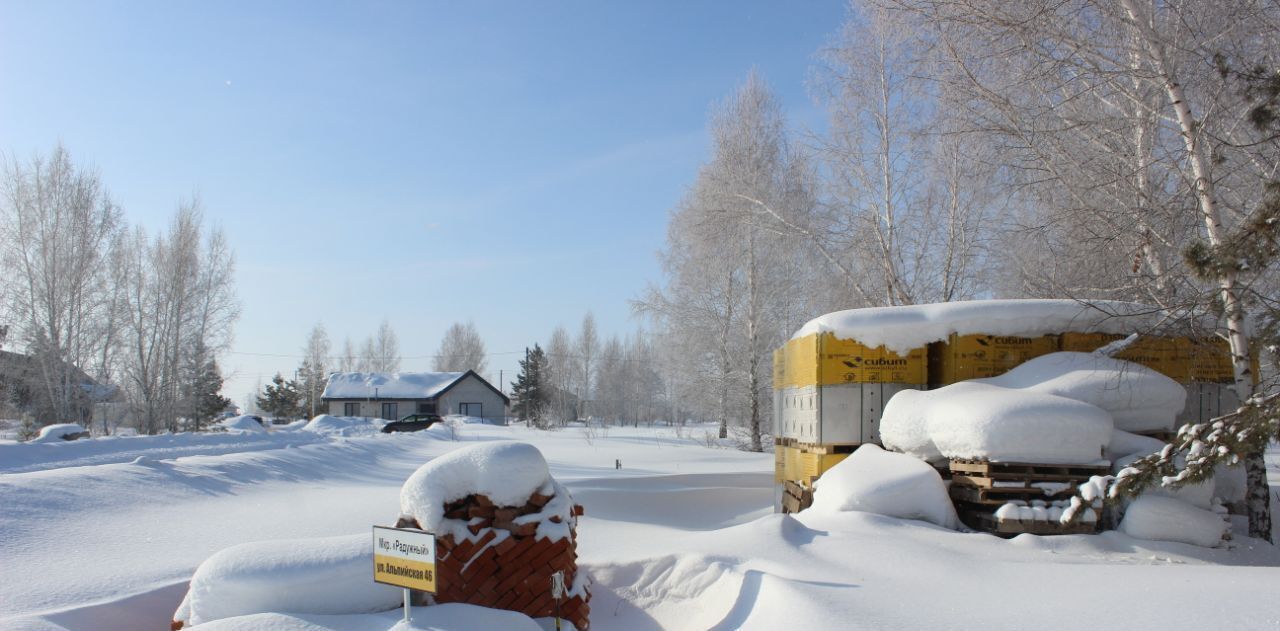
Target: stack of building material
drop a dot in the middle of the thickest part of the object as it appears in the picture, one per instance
(505, 564)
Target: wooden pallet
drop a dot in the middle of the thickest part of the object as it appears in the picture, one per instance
(827, 448)
(987, 522)
(795, 497)
(998, 496)
(1026, 471)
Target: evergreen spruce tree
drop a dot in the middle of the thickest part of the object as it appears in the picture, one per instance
(280, 398)
(207, 403)
(530, 388)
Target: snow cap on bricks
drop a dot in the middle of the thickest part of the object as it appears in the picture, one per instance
(507, 473)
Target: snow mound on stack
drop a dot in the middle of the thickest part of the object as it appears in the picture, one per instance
(244, 423)
(904, 426)
(1002, 424)
(1168, 519)
(507, 473)
(873, 480)
(307, 576)
(1138, 398)
(58, 433)
(1060, 408)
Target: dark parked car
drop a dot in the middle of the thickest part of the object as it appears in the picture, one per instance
(411, 423)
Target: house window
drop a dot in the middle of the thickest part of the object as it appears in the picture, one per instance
(389, 410)
(427, 407)
(471, 409)
(351, 408)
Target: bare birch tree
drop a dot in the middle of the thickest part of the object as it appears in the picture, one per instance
(587, 346)
(56, 229)
(731, 270)
(461, 349)
(385, 355)
(561, 377)
(313, 374)
(177, 307)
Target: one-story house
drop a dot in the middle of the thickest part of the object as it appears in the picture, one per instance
(394, 395)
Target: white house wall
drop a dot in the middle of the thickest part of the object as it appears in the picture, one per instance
(471, 390)
(374, 408)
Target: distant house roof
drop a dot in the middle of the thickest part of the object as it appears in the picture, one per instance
(396, 385)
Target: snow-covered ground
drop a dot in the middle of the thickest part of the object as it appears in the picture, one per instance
(105, 536)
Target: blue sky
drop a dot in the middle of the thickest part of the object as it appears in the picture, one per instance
(512, 164)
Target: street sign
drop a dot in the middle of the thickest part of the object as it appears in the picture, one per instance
(405, 558)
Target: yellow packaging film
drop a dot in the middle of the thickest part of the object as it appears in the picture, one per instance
(979, 356)
(1173, 357)
(799, 359)
(848, 361)
(779, 369)
(814, 465)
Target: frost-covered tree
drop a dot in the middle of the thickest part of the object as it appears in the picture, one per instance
(731, 274)
(907, 200)
(57, 227)
(562, 376)
(381, 352)
(461, 349)
(347, 361)
(176, 306)
(587, 347)
(313, 374)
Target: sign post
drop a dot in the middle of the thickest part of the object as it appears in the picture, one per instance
(404, 558)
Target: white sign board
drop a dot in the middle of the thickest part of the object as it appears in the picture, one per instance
(405, 558)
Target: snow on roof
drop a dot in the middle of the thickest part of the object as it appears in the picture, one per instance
(395, 385)
(903, 328)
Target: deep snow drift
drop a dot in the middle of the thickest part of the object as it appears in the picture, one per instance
(873, 480)
(682, 537)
